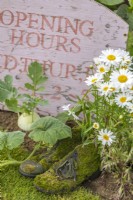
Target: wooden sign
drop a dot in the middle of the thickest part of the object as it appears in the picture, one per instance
(64, 36)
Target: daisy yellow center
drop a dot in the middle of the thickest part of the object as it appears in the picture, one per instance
(111, 57)
(124, 67)
(102, 69)
(106, 137)
(94, 80)
(122, 78)
(123, 99)
(112, 89)
(106, 88)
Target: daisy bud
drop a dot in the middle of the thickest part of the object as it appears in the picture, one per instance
(91, 66)
(121, 117)
(96, 125)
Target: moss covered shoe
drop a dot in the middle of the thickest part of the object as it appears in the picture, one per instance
(60, 150)
(70, 171)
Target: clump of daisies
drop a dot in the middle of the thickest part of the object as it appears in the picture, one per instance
(107, 118)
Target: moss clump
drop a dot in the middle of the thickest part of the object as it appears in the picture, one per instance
(13, 186)
(16, 187)
(88, 162)
(62, 149)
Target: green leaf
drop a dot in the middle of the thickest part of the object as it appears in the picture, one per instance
(8, 79)
(130, 43)
(12, 105)
(35, 73)
(122, 11)
(2, 140)
(6, 88)
(29, 86)
(42, 80)
(111, 2)
(40, 89)
(49, 130)
(64, 117)
(130, 20)
(14, 139)
(131, 3)
(42, 102)
(125, 13)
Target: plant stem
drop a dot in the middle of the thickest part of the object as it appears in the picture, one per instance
(11, 162)
(15, 162)
(32, 153)
(117, 124)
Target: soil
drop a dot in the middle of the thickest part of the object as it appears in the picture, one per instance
(105, 185)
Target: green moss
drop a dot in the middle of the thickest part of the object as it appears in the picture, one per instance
(62, 149)
(16, 187)
(88, 162)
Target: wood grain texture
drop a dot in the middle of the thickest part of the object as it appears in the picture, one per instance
(64, 36)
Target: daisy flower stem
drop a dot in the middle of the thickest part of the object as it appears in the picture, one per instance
(117, 124)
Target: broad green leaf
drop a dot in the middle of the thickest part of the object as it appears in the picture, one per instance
(130, 20)
(64, 117)
(49, 130)
(124, 12)
(42, 102)
(40, 89)
(131, 3)
(2, 140)
(111, 2)
(130, 43)
(12, 105)
(14, 139)
(29, 86)
(35, 73)
(6, 88)
(8, 79)
(42, 80)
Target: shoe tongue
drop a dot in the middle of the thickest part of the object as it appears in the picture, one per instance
(67, 169)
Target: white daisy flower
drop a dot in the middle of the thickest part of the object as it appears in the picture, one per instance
(130, 88)
(104, 89)
(106, 137)
(66, 107)
(122, 78)
(97, 61)
(126, 58)
(102, 69)
(130, 108)
(110, 57)
(95, 125)
(93, 79)
(123, 100)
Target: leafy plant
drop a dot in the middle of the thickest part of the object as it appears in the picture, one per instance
(45, 132)
(30, 102)
(24, 103)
